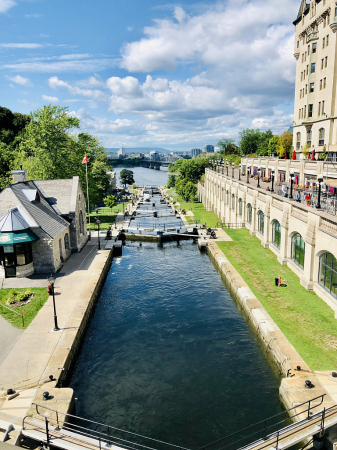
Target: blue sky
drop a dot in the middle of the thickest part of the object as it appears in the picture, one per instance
(148, 73)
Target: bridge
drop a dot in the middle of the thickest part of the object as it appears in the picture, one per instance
(308, 420)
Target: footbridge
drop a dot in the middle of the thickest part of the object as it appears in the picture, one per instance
(304, 423)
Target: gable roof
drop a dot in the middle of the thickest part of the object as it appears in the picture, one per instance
(61, 194)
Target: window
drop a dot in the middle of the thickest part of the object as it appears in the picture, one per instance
(305, 111)
(249, 213)
(322, 64)
(299, 113)
(66, 241)
(320, 84)
(324, 83)
(327, 276)
(81, 223)
(306, 88)
(309, 138)
(314, 47)
(301, 76)
(323, 108)
(240, 207)
(319, 109)
(233, 202)
(298, 44)
(323, 42)
(312, 87)
(260, 222)
(313, 68)
(308, 50)
(227, 197)
(307, 69)
(298, 140)
(326, 62)
(276, 234)
(327, 40)
(302, 57)
(298, 249)
(310, 110)
(321, 136)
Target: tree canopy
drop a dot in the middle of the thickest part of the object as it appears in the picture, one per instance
(126, 177)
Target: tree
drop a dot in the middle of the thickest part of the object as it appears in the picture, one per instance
(6, 165)
(254, 141)
(171, 181)
(272, 145)
(126, 177)
(285, 144)
(110, 201)
(11, 125)
(134, 186)
(262, 147)
(227, 146)
(190, 191)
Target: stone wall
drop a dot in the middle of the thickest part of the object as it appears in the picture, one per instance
(77, 205)
(46, 251)
(224, 195)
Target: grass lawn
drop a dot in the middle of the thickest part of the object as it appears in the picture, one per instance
(107, 216)
(307, 322)
(13, 314)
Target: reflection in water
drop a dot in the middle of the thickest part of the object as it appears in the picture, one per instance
(168, 354)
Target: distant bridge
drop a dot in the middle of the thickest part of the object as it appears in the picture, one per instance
(156, 165)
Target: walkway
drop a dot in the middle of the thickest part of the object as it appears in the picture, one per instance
(26, 363)
(8, 338)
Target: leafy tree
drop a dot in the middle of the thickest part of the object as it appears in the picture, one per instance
(272, 145)
(180, 186)
(192, 169)
(171, 181)
(190, 191)
(285, 144)
(254, 141)
(6, 165)
(11, 124)
(262, 148)
(134, 186)
(227, 146)
(126, 177)
(110, 201)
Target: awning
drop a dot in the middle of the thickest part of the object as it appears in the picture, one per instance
(18, 238)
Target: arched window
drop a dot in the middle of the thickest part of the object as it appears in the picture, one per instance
(276, 235)
(298, 140)
(260, 224)
(66, 241)
(298, 249)
(227, 200)
(249, 213)
(321, 136)
(233, 202)
(240, 207)
(81, 223)
(328, 273)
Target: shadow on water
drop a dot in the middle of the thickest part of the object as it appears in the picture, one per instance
(168, 354)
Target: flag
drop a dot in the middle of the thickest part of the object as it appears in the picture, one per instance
(85, 160)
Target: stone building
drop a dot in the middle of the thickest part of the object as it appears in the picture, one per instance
(41, 223)
(315, 114)
(303, 238)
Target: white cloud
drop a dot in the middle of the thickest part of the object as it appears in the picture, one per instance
(21, 45)
(5, 5)
(75, 56)
(95, 95)
(18, 79)
(33, 16)
(86, 65)
(50, 99)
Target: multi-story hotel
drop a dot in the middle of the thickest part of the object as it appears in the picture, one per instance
(315, 119)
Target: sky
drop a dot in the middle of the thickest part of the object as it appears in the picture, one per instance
(149, 73)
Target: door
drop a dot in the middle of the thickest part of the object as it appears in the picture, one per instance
(9, 261)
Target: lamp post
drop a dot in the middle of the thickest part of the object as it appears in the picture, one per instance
(51, 283)
(233, 170)
(239, 172)
(223, 166)
(272, 180)
(320, 182)
(247, 170)
(258, 176)
(227, 166)
(99, 241)
(291, 182)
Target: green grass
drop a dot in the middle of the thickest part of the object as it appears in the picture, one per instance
(13, 315)
(304, 318)
(107, 216)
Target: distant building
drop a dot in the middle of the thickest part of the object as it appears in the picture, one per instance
(140, 155)
(121, 152)
(154, 156)
(217, 149)
(209, 148)
(196, 151)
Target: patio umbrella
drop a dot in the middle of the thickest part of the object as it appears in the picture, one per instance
(294, 155)
(285, 154)
(313, 154)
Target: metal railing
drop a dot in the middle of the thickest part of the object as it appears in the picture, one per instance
(242, 439)
(89, 433)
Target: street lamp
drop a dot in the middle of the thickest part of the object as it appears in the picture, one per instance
(272, 180)
(51, 283)
(247, 170)
(240, 172)
(227, 166)
(99, 241)
(233, 170)
(258, 176)
(291, 182)
(320, 183)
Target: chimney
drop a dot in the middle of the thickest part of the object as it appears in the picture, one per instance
(19, 176)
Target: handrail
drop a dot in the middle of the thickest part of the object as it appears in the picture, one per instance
(264, 422)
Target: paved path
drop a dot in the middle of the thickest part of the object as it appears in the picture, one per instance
(9, 336)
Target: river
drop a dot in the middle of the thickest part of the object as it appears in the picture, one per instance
(145, 177)
(168, 353)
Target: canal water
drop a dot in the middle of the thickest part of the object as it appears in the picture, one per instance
(168, 354)
(145, 177)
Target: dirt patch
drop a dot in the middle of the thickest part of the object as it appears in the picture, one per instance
(18, 303)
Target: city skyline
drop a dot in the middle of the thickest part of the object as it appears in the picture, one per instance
(176, 76)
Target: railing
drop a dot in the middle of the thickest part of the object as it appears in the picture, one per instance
(242, 438)
(233, 226)
(88, 433)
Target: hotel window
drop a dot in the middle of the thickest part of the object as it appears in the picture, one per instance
(322, 64)
(298, 140)
(302, 57)
(321, 136)
(313, 68)
(324, 83)
(323, 42)
(298, 249)
(233, 202)
(305, 111)
(336, 11)
(326, 61)
(240, 207)
(260, 222)
(324, 22)
(309, 138)
(312, 87)
(307, 70)
(328, 19)
(314, 48)
(322, 107)
(308, 50)
(310, 110)
(327, 276)
(306, 88)
(276, 235)
(320, 84)
(298, 44)
(319, 109)
(327, 40)
(299, 113)
(301, 76)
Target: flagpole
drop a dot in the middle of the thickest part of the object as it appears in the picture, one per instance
(86, 172)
